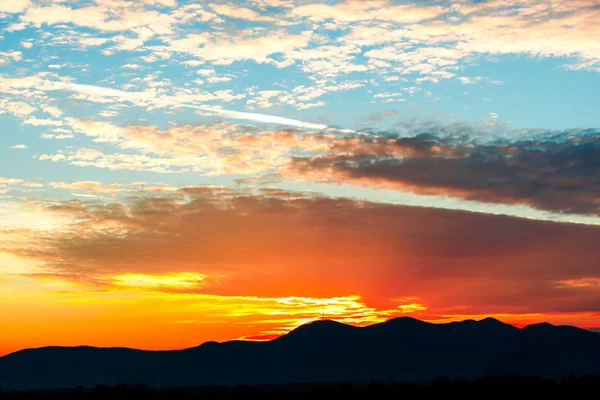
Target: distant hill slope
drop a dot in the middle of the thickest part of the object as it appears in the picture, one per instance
(399, 349)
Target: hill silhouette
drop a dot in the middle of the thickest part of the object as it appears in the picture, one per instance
(401, 349)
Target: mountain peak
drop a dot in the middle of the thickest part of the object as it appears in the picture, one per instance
(322, 324)
(407, 319)
(491, 321)
(403, 321)
(542, 326)
(319, 329)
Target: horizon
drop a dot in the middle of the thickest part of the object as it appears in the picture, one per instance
(174, 172)
(318, 320)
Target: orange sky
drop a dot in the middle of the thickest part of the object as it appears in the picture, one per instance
(215, 264)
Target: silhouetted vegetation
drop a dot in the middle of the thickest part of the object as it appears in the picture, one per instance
(567, 387)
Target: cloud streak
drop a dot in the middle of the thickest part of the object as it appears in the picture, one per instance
(171, 101)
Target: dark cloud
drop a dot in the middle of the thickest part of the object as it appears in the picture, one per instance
(285, 244)
(558, 172)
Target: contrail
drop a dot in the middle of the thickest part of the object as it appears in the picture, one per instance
(146, 97)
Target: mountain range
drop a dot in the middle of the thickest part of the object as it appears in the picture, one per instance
(401, 349)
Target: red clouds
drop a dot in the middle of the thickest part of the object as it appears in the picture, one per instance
(278, 244)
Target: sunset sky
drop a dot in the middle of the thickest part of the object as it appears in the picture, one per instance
(173, 172)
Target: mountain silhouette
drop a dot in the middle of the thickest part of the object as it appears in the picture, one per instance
(401, 349)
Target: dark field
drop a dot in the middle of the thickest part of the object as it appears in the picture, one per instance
(567, 387)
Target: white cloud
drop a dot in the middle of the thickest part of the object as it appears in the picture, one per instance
(88, 186)
(261, 99)
(250, 45)
(239, 12)
(54, 111)
(14, 6)
(19, 147)
(41, 122)
(387, 95)
(305, 106)
(353, 11)
(8, 56)
(192, 63)
(108, 16)
(17, 108)
(219, 79)
(17, 26)
(10, 181)
(57, 136)
(205, 72)
(189, 44)
(92, 41)
(466, 80)
(55, 14)
(54, 158)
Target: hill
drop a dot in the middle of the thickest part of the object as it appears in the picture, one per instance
(401, 349)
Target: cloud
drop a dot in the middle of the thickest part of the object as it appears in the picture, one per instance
(17, 108)
(33, 120)
(147, 98)
(537, 28)
(549, 171)
(298, 96)
(258, 48)
(353, 11)
(88, 186)
(9, 56)
(54, 111)
(59, 136)
(14, 6)
(10, 181)
(240, 13)
(104, 17)
(92, 41)
(247, 244)
(396, 38)
(150, 97)
(181, 280)
(466, 80)
(19, 147)
(552, 171)
(218, 148)
(414, 41)
(55, 157)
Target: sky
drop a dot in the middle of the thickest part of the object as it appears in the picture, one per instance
(174, 172)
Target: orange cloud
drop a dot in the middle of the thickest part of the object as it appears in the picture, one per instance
(218, 148)
(286, 245)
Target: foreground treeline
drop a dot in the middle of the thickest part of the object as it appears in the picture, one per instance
(567, 387)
